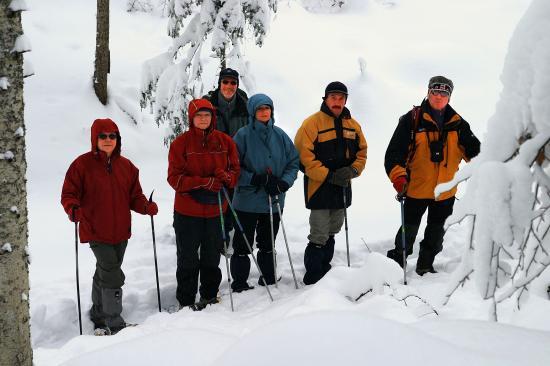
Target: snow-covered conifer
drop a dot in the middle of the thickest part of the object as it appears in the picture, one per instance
(172, 79)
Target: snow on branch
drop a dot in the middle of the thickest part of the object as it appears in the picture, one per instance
(22, 44)
(8, 155)
(18, 5)
(172, 79)
(4, 83)
(507, 197)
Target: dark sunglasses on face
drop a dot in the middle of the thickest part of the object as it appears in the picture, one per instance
(442, 93)
(232, 82)
(103, 136)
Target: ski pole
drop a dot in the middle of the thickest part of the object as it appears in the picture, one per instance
(224, 238)
(346, 222)
(286, 241)
(77, 277)
(155, 253)
(246, 240)
(401, 199)
(272, 239)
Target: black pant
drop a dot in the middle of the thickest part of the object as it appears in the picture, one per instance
(438, 211)
(199, 242)
(259, 224)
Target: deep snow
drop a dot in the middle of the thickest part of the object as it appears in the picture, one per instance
(399, 47)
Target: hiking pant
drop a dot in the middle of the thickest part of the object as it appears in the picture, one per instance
(323, 224)
(259, 224)
(107, 283)
(438, 211)
(199, 243)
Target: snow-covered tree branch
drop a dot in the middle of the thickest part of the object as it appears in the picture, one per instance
(509, 188)
(170, 80)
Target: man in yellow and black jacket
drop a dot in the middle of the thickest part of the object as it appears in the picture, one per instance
(425, 150)
(333, 150)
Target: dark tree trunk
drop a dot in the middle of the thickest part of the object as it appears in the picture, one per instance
(15, 342)
(102, 54)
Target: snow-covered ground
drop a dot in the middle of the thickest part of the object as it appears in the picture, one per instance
(402, 45)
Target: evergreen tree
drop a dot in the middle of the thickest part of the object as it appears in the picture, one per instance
(172, 79)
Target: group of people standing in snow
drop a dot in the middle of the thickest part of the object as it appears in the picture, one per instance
(234, 151)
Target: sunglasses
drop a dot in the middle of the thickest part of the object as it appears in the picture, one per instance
(103, 136)
(442, 93)
(232, 82)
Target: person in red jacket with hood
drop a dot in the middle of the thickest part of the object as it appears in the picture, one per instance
(100, 189)
(200, 162)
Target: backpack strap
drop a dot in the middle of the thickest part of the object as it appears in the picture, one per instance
(415, 116)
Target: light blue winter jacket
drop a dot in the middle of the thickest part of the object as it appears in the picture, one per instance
(262, 146)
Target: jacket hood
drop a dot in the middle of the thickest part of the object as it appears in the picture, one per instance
(254, 102)
(106, 125)
(197, 104)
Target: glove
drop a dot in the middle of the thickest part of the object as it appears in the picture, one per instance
(213, 185)
(276, 186)
(223, 176)
(76, 214)
(337, 180)
(259, 179)
(400, 184)
(347, 173)
(151, 209)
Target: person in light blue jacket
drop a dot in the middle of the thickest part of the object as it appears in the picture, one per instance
(269, 166)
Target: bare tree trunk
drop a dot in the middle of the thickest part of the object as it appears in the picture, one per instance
(102, 53)
(15, 343)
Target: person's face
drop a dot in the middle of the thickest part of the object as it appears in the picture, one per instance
(228, 87)
(263, 113)
(336, 102)
(106, 142)
(438, 99)
(202, 120)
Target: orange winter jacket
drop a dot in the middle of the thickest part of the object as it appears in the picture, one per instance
(408, 152)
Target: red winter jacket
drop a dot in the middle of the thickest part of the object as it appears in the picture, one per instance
(104, 189)
(194, 157)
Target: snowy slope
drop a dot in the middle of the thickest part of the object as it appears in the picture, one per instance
(402, 46)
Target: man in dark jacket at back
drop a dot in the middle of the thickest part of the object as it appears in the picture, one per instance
(231, 113)
(230, 102)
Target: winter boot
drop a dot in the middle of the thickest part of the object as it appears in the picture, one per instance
(313, 261)
(328, 251)
(265, 261)
(203, 303)
(429, 247)
(112, 307)
(396, 255)
(240, 269)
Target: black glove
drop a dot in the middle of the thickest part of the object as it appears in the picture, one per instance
(276, 186)
(259, 180)
(346, 172)
(337, 180)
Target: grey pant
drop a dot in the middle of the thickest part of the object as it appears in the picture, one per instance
(107, 283)
(323, 223)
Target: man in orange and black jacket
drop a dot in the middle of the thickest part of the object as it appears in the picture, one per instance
(333, 151)
(425, 150)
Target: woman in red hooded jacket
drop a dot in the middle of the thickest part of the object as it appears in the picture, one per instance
(100, 189)
(200, 162)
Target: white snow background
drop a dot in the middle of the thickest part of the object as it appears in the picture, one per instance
(400, 45)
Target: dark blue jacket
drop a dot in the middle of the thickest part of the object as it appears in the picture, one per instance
(262, 147)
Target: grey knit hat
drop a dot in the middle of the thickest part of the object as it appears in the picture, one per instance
(441, 83)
